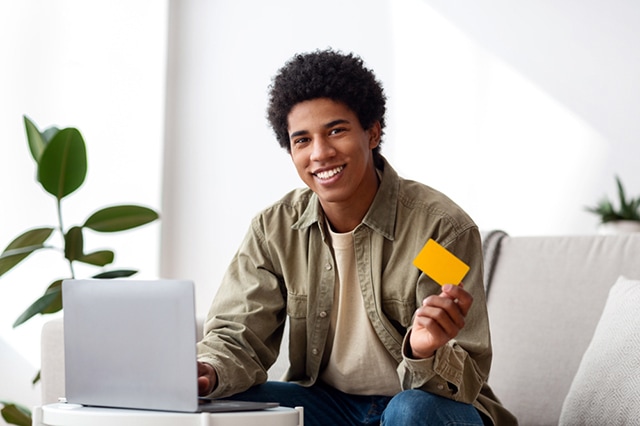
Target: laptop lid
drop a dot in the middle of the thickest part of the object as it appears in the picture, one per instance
(130, 344)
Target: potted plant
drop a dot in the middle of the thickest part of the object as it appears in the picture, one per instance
(61, 163)
(621, 219)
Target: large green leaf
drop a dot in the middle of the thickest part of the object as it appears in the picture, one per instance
(23, 246)
(121, 273)
(97, 258)
(48, 303)
(15, 415)
(34, 138)
(63, 164)
(120, 218)
(73, 243)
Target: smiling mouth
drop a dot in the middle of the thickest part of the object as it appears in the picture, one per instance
(327, 174)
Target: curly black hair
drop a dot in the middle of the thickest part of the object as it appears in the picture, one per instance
(325, 74)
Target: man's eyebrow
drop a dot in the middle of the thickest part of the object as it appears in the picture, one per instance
(298, 133)
(336, 122)
(326, 126)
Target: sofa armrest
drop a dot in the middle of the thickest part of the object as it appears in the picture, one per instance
(490, 251)
(52, 361)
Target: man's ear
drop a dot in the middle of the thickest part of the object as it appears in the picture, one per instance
(375, 132)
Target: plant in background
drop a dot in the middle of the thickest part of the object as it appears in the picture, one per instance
(61, 162)
(628, 209)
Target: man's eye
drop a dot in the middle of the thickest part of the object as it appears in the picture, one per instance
(300, 140)
(337, 130)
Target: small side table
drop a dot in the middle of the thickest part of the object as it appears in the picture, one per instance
(63, 414)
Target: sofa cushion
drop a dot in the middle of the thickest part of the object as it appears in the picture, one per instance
(606, 388)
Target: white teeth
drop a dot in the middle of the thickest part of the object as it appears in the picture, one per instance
(329, 173)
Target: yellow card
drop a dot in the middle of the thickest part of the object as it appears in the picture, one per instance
(440, 264)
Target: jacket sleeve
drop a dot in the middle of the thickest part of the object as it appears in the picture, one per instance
(458, 369)
(244, 327)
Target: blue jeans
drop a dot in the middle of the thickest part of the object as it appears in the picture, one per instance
(324, 406)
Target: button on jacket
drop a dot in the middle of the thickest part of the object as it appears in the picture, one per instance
(285, 268)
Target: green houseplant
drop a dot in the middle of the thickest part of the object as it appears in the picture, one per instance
(61, 163)
(625, 214)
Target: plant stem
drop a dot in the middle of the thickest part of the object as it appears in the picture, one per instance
(59, 206)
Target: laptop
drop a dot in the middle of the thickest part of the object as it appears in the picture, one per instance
(132, 344)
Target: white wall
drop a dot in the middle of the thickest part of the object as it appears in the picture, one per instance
(521, 112)
(542, 96)
(98, 66)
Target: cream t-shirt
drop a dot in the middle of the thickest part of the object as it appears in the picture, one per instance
(358, 362)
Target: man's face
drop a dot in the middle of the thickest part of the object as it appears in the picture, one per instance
(332, 152)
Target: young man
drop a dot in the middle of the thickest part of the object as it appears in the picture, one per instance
(372, 339)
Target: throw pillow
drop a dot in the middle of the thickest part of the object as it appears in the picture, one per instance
(606, 388)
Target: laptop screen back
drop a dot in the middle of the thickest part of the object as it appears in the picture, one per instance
(130, 344)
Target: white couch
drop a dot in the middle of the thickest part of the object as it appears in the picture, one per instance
(546, 296)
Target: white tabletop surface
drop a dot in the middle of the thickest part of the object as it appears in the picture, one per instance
(63, 414)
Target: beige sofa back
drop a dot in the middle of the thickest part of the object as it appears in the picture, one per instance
(545, 297)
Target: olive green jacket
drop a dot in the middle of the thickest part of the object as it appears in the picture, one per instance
(284, 268)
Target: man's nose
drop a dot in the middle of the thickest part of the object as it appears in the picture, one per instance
(322, 149)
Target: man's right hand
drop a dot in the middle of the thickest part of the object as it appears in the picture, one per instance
(439, 319)
(207, 379)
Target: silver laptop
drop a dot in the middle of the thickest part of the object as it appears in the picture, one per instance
(132, 344)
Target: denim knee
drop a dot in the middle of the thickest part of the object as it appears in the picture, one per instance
(416, 407)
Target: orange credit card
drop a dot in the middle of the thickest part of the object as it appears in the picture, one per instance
(440, 264)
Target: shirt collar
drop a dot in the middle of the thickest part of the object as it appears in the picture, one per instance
(381, 216)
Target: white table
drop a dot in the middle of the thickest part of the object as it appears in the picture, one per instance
(63, 414)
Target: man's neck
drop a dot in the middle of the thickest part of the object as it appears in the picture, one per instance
(346, 216)
(342, 220)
